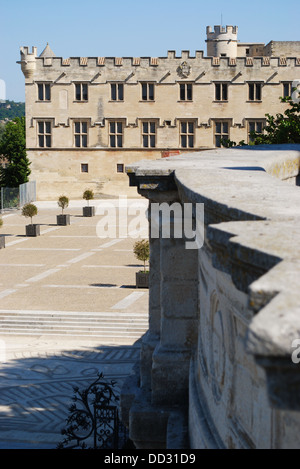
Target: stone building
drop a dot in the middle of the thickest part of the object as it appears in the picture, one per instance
(89, 117)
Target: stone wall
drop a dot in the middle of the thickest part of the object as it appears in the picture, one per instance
(216, 367)
(210, 114)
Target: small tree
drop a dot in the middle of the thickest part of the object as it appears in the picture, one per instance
(141, 251)
(13, 150)
(29, 211)
(63, 202)
(88, 195)
(1, 222)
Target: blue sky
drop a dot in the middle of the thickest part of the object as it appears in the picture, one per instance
(131, 28)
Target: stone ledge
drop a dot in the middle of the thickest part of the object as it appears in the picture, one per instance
(253, 224)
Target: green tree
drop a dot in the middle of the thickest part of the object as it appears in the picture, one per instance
(13, 149)
(282, 128)
(141, 251)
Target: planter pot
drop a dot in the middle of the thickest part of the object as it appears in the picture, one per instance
(2, 242)
(63, 220)
(88, 211)
(142, 279)
(32, 230)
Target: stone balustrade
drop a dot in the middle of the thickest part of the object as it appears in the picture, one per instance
(218, 365)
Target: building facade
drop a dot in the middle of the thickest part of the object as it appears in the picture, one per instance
(89, 117)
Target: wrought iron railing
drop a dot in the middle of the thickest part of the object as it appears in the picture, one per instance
(94, 422)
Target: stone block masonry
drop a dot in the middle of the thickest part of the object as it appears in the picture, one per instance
(87, 118)
(221, 350)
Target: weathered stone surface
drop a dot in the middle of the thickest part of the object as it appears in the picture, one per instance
(229, 312)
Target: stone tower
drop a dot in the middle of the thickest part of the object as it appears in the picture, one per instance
(222, 42)
(28, 63)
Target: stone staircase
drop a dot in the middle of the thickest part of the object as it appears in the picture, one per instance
(112, 327)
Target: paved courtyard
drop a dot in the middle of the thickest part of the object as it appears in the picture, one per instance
(69, 309)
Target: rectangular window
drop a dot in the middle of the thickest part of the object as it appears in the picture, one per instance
(187, 134)
(44, 134)
(186, 91)
(221, 132)
(255, 126)
(148, 134)
(116, 134)
(81, 91)
(221, 91)
(255, 91)
(80, 134)
(117, 91)
(287, 89)
(84, 168)
(147, 91)
(120, 168)
(43, 92)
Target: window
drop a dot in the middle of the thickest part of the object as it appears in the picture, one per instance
(116, 134)
(255, 126)
(287, 89)
(84, 168)
(221, 132)
(255, 91)
(43, 92)
(187, 136)
(80, 134)
(186, 91)
(120, 168)
(117, 91)
(44, 134)
(221, 91)
(81, 91)
(148, 134)
(247, 51)
(148, 91)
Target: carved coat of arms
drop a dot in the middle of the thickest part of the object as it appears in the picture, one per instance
(184, 69)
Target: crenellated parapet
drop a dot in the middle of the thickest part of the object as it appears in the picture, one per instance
(28, 62)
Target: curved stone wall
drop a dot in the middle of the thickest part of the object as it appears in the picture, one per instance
(219, 357)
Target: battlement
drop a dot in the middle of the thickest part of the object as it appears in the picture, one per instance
(25, 51)
(220, 30)
(28, 63)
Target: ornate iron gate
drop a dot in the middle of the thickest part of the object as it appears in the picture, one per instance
(94, 422)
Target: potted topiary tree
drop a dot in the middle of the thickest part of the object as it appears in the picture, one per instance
(88, 211)
(63, 203)
(29, 211)
(141, 252)
(2, 238)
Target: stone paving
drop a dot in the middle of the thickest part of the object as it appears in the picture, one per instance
(68, 271)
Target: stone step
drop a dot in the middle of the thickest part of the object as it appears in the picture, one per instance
(86, 327)
(73, 320)
(104, 325)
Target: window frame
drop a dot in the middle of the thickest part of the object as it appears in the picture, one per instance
(82, 96)
(82, 135)
(187, 134)
(116, 134)
(221, 89)
(43, 86)
(288, 84)
(119, 92)
(84, 168)
(222, 134)
(255, 122)
(185, 92)
(257, 97)
(147, 91)
(45, 135)
(148, 135)
(120, 167)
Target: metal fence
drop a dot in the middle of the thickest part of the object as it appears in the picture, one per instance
(15, 197)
